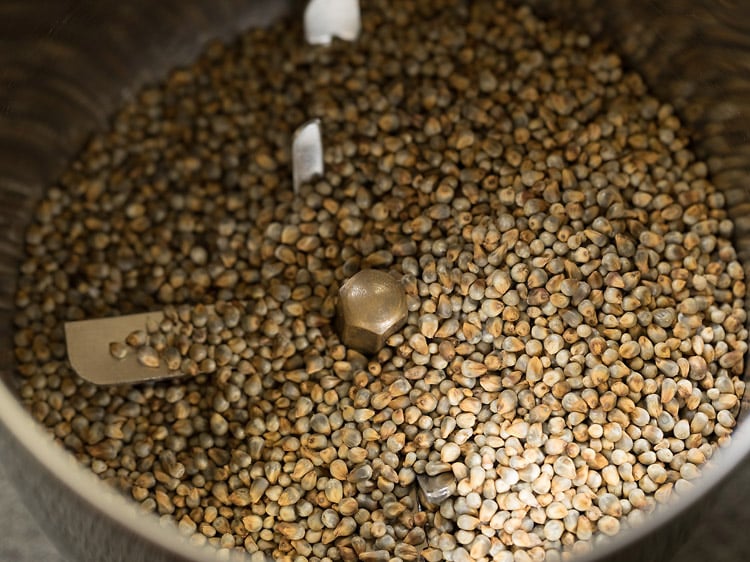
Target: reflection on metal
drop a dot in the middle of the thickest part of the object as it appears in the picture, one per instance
(326, 19)
(88, 342)
(371, 308)
(307, 153)
(437, 489)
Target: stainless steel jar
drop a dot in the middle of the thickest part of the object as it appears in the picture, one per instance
(65, 66)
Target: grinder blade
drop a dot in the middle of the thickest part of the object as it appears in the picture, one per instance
(326, 19)
(307, 153)
(87, 341)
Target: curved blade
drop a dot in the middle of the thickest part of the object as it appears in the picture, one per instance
(307, 153)
(326, 19)
(88, 342)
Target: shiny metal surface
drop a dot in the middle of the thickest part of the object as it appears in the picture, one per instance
(307, 153)
(371, 308)
(65, 66)
(88, 342)
(437, 489)
(327, 19)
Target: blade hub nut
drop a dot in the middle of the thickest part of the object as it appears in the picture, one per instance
(371, 308)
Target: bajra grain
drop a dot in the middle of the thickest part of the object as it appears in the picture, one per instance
(576, 325)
